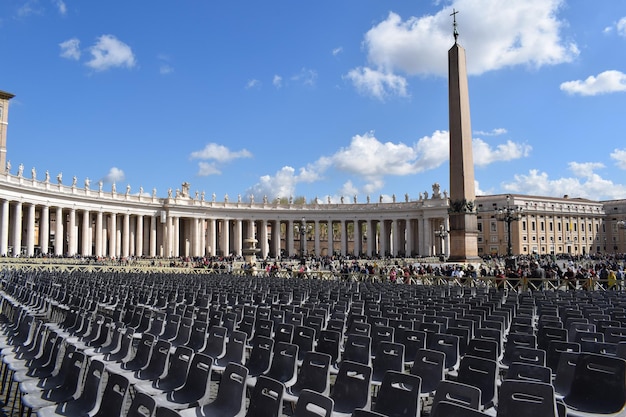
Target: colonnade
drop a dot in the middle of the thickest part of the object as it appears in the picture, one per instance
(34, 228)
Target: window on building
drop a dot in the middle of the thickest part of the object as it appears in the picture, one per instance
(494, 227)
(551, 226)
(480, 227)
(524, 225)
(542, 226)
(558, 227)
(533, 226)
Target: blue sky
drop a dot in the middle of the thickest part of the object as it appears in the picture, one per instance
(315, 99)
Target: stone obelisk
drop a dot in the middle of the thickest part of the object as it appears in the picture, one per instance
(4, 118)
(462, 212)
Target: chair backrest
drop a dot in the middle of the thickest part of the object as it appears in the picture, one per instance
(329, 342)
(235, 349)
(283, 332)
(231, 394)
(314, 374)
(284, 366)
(458, 393)
(352, 387)
(526, 399)
(142, 354)
(555, 349)
(158, 360)
(90, 389)
(450, 409)
(114, 396)
(184, 332)
(481, 348)
(177, 369)
(142, 405)
(429, 365)
(389, 357)
(528, 372)
(215, 345)
(399, 395)
(266, 398)
(304, 338)
(197, 338)
(260, 356)
(481, 373)
(446, 343)
(357, 349)
(313, 404)
(599, 384)
(197, 383)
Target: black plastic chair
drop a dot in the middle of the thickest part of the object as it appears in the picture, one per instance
(329, 342)
(481, 373)
(313, 404)
(448, 344)
(196, 389)
(458, 393)
(197, 338)
(215, 345)
(357, 349)
(304, 338)
(352, 388)
(266, 398)
(175, 377)
(142, 405)
(235, 351)
(230, 400)
(139, 360)
(82, 403)
(526, 399)
(314, 375)
(389, 357)
(429, 366)
(156, 366)
(260, 357)
(283, 332)
(450, 409)
(399, 395)
(528, 372)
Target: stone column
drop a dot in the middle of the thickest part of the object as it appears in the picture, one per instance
(126, 235)
(331, 246)
(4, 233)
(176, 237)
(262, 238)
(409, 237)
(226, 237)
(371, 237)
(344, 237)
(211, 231)
(290, 249)
(139, 235)
(357, 237)
(153, 235)
(99, 251)
(30, 231)
(86, 232)
(238, 243)
(317, 238)
(17, 229)
(59, 238)
(276, 238)
(395, 238)
(44, 229)
(383, 240)
(72, 233)
(112, 232)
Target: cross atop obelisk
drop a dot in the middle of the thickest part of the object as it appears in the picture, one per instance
(462, 211)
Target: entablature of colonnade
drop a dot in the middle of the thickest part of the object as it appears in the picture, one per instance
(182, 204)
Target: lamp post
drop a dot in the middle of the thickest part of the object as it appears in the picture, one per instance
(441, 234)
(509, 214)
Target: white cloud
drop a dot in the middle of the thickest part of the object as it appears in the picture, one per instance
(29, 8)
(337, 51)
(280, 185)
(305, 76)
(370, 161)
(220, 153)
(494, 132)
(621, 26)
(277, 81)
(164, 64)
(61, 6)
(619, 155)
(109, 52)
(70, 49)
(585, 183)
(525, 32)
(606, 82)
(253, 83)
(207, 168)
(376, 83)
(115, 175)
(484, 154)
(217, 154)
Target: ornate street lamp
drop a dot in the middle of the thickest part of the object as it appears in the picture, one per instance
(441, 234)
(509, 214)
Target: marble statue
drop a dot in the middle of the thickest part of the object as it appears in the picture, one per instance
(265, 199)
(8, 165)
(225, 198)
(341, 199)
(47, 179)
(100, 185)
(154, 193)
(60, 177)
(380, 198)
(87, 182)
(20, 170)
(239, 198)
(74, 181)
(436, 188)
(406, 197)
(127, 189)
(355, 199)
(367, 199)
(393, 198)
(213, 197)
(33, 173)
(113, 188)
(140, 190)
(169, 192)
